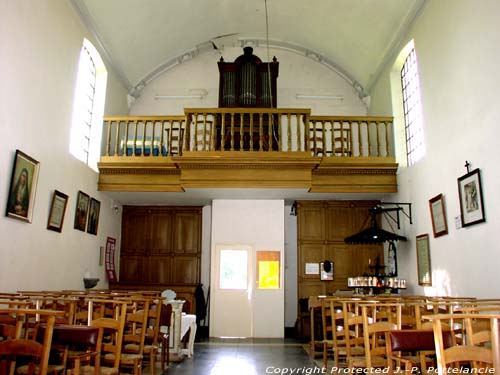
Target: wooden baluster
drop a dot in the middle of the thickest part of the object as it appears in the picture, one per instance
(250, 147)
(369, 138)
(212, 134)
(232, 131)
(117, 137)
(261, 131)
(386, 127)
(223, 132)
(305, 126)
(125, 144)
(242, 119)
(108, 139)
(162, 137)
(280, 136)
(289, 119)
(349, 135)
(195, 129)
(270, 126)
(378, 145)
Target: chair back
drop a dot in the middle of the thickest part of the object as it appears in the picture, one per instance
(113, 329)
(37, 353)
(479, 349)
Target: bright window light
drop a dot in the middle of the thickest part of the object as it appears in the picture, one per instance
(233, 269)
(415, 147)
(88, 106)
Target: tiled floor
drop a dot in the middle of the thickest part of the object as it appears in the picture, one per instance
(244, 357)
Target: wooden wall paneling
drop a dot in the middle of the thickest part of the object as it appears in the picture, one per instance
(311, 221)
(161, 232)
(312, 288)
(311, 253)
(136, 231)
(152, 236)
(187, 232)
(185, 270)
(132, 267)
(322, 227)
(338, 220)
(159, 269)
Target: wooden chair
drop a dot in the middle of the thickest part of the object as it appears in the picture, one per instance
(111, 348)
(164, 335)
(375, 352)
(203, 132)
(316, 139)
(341, 140)
(175, 140)
(64, 338)
(404, 347)
(479, 350)
(36, 352)
(333, 330)
(353, 329)
(152, 333)
(134, 335)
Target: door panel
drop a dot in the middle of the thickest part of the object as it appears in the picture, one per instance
(233, 294)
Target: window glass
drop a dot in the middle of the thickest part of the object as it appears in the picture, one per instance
(415, 148)
(88, 106)
(233, 269)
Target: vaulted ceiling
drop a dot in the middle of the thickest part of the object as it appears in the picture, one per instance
(141, 38)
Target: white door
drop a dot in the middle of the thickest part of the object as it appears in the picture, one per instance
(232, 299)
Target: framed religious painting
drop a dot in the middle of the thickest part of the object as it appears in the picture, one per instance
(57, 211)
(424, 270)
(94, 209)
(471, 198)
(438, 216)
(82, 208)
(22, 188)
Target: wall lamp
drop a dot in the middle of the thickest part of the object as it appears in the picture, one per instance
(320, 97)
(168, 97)
(192, 94)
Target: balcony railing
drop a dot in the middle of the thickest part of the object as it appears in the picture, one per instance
(248, 129)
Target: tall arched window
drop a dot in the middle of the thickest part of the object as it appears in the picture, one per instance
(88, 106)
(412, 107)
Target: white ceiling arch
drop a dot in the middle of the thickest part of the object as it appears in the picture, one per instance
(243, 42)
(141, 39)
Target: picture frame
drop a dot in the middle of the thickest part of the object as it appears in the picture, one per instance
(93, 219)
(57, 211)
(438, 215)
(82, 208)
(424, 270)
(471, 198)
(22, 187)
(326, 271)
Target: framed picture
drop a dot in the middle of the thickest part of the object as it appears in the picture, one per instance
(471, 198)
(423, 261)
(438, 216)
(22, 188)
(95, 206)
(326, 270)
(82, 208)
(57, 211)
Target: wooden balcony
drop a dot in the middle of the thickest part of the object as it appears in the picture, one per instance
(248, 147)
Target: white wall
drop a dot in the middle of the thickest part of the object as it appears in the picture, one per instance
(457, 45)
(41, 42)
(297, 75)
(291, 271)
(259, 224)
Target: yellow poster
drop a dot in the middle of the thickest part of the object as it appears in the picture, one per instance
(269, 274)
